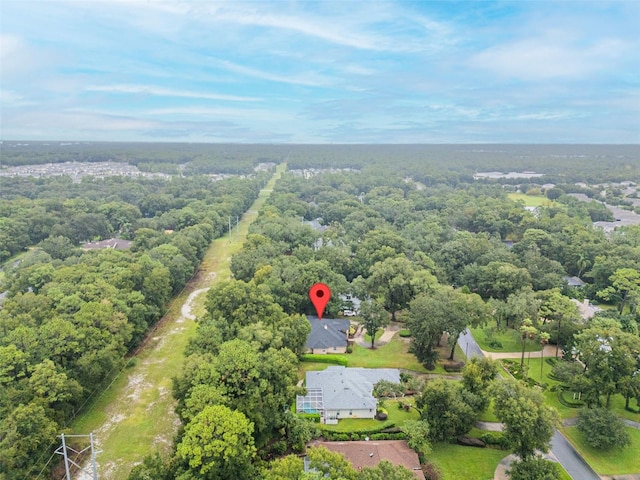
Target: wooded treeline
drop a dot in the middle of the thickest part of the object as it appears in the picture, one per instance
(71, 315)
(429, 164)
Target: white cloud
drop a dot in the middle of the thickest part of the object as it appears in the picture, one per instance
(236, 113)
(166, 92)
(9, 98)
(549, 56)
(309, 80)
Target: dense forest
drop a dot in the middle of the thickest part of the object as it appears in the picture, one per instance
(417, 239)
(71, 314)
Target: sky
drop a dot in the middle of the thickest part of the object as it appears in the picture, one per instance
(344, 71)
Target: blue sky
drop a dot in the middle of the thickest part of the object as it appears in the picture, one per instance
(321, 71)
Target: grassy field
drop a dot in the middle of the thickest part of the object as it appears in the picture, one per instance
(614, 462)
(465, 463)
(532, 200)
(510, 339)
(134, 416)
(394, 354)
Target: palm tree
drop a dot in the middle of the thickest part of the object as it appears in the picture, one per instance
(527, 331)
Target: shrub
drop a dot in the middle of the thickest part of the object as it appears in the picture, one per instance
(319, 358)
(381, 414)
(495, 439)
(314, 417)
(453, 367)
(387, 436)
(568, 403)
(278, 448)
(534, 467)
(602, 429)
(405, 333)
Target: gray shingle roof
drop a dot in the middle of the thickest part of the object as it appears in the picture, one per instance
(350, 388)
(327, 333)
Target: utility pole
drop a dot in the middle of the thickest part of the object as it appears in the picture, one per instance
(65, 449)
(229, 228)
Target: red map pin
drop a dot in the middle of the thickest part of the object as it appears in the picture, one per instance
(319, 295)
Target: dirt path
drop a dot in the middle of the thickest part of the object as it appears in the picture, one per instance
(185, 311)
(134, 416)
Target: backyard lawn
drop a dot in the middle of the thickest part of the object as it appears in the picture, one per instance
(396, 418)
(615, 462)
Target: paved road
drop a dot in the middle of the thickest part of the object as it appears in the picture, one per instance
(561, 449)
(468, 345)
(571, 460)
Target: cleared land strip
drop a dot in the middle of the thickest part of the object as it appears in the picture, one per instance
(135, 416)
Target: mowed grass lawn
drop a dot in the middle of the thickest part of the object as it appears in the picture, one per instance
(510, 339)
(532, 200)
(396, 417)
(465, 463)
(614, 462)
(394, 354)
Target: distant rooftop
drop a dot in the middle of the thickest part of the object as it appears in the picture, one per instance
(115, 243)
(495, 175)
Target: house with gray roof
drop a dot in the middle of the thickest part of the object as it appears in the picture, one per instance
(329, 335)
(574, 281)
(340, 392)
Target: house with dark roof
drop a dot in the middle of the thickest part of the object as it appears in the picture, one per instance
(340, 392)
(329, 335)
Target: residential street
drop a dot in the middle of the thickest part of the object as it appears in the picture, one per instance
(570, 459)
(561, 449)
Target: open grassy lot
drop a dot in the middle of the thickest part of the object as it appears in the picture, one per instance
(532, 200)
(510, 339)
(134, 415)
(394, 354)
(614, 462)
(465, 463)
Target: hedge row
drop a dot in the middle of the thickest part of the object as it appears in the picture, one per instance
(386, 427)
(329, 358)
(353, 436)
(569, 403)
